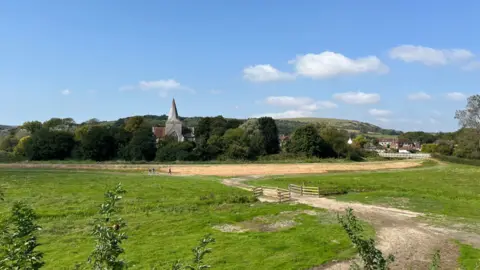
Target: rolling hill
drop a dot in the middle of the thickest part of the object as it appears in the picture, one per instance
(285, 126)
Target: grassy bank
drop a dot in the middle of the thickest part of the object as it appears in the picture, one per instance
(167, 216)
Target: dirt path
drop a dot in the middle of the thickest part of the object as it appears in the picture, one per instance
(231, 170)
(398, 232)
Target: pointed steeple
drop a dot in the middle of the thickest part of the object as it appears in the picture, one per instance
(173, 114)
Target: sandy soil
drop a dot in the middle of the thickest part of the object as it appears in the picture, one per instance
(398, 232)
(234, 169)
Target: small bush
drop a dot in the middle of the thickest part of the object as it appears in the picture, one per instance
(372, 257)
(18, 240)
(108, 235)
(241, 199)
(198, 253)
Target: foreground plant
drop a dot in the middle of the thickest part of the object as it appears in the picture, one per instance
(435, 265)
(108, 234)
(372, 257)
(18, 240)
(198, 253)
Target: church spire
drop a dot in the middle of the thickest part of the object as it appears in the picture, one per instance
(173, 114)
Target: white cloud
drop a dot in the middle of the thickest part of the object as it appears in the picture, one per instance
(66, 92)
(456, 96)
(162, 86)
(377, 112)
(297, 106)
(474, 65)
(287, 101)
(357, 97)
(330, 64)
(433, 121)
(265, 73)
(419, 96)
(429, 56)
(286, 114)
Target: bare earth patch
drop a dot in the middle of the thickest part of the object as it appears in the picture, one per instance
(232, 169)
(282, 221)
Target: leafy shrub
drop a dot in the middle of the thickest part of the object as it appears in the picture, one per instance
(372, 257)
(18, 240)
(106, 230)
(198, 253)
(241, 199)
(429, 148)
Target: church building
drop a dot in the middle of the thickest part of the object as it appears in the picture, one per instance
(174, 127)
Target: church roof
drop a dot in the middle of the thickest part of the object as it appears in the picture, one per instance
(173, 114)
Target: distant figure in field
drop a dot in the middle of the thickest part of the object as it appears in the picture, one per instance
(169, 170)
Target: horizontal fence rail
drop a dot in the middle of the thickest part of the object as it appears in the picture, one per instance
(405, 155)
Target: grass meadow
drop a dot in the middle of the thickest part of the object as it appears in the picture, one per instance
(166, 217)
(448, 189)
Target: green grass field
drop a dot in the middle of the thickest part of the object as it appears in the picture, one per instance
(450, 190)
(166, 217)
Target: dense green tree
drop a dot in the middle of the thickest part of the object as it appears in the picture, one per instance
(360, 141)
(8, 143)
(134, 123)
(171, 150)
(233, 135)
(236, 151)
(468, 139)
(142, 145)
(98, 144)
(444, 147)
(306, 140)
(50, 145)
(417, 136)
(32, 126)
(59, 124)
(20, 149)
(335, 141)
(468, 144)
(269, 131)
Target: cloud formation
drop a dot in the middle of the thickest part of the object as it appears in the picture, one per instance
(296, 106)
(429, 56)
(163, 87)
(330, 64)
(66, 92)
(419, 96)
(265, 73)
(357, 97)
(457, 96)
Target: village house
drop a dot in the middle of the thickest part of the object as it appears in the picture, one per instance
(174, 127)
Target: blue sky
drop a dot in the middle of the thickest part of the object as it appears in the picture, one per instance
(399, 64)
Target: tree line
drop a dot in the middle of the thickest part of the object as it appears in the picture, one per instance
(217, 138)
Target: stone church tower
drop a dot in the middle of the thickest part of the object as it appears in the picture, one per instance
(173, 126)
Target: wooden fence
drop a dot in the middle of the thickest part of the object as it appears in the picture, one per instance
(257, 191)
(314, 191)
(282, 195)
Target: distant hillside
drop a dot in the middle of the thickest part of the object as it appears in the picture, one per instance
(285, 126)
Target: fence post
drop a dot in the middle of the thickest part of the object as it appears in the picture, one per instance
(319, 192)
